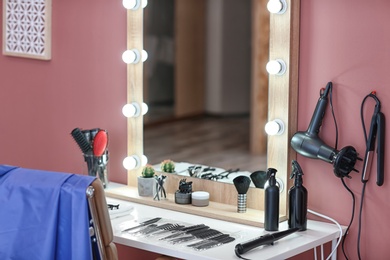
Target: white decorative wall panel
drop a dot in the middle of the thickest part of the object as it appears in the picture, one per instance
(27, 28)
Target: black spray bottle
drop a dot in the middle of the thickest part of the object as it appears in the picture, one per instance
(297, 200)
(271, 202)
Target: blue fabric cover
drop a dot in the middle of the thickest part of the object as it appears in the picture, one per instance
(43, 215)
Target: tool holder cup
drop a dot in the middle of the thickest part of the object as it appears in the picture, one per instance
(97, 166)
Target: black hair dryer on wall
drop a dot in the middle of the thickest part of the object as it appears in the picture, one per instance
(310, 145)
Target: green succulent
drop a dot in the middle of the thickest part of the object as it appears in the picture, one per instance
(148, 171)
(167, 166)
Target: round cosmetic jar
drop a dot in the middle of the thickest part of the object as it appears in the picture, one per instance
(200, 198)
(182, 198)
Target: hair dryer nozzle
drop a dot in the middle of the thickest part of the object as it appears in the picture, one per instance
(345, 161)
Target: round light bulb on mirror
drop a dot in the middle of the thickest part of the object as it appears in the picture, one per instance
(274, 127)
(276, 67)
(131, 4)
(131, 56)
(134, 4)
(131, 110)
(144, 160)
(144, 55)
(277, 6)
(145, 108)
(131, 162)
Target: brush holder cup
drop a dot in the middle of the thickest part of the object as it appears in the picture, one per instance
(97, 166)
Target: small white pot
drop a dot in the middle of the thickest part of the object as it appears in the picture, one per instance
(146, 186)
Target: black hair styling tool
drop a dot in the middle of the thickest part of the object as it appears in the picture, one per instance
(376, 133)
(380, 178)
(267, 239)
(81, 140)
(310, 145)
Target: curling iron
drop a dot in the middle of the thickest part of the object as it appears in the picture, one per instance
(310, 145)
(267, 239)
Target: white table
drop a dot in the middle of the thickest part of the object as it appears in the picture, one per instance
(317, 234)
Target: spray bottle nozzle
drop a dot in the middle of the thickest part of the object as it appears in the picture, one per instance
(296, 170)
(271, 172)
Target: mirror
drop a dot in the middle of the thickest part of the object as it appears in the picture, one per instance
(194, 48)
(282, 100)
(191, 79)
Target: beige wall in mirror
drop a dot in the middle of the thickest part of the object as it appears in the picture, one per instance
(282, 100)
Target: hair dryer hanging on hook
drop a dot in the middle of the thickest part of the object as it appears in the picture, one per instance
(310, 145)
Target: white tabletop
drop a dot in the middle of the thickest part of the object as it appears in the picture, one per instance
(317, 233)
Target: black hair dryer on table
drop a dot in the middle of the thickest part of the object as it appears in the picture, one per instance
(310, 145)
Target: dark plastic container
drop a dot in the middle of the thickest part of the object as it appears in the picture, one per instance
(271, 203)
(297, 217)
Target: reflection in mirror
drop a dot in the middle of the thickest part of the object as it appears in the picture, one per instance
(202, 141)
(198, 82)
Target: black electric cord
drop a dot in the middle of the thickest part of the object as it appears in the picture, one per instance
(334, 117)
(238, 254)
(360, 220)
(352, 217)
(372, 95)
(364, 184)
(342, 179)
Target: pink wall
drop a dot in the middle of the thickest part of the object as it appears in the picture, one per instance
(346, 42)
(83, 85)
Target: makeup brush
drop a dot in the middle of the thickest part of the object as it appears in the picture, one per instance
(242, 185)
(259, 178)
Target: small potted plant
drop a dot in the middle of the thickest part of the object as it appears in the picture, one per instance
(167, 166)
(146, 182)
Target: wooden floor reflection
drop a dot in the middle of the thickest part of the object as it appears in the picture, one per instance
(213, 141)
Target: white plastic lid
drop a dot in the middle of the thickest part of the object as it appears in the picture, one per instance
(200, 195)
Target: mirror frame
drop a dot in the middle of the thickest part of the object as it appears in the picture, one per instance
(284, 44)
(283, 89)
